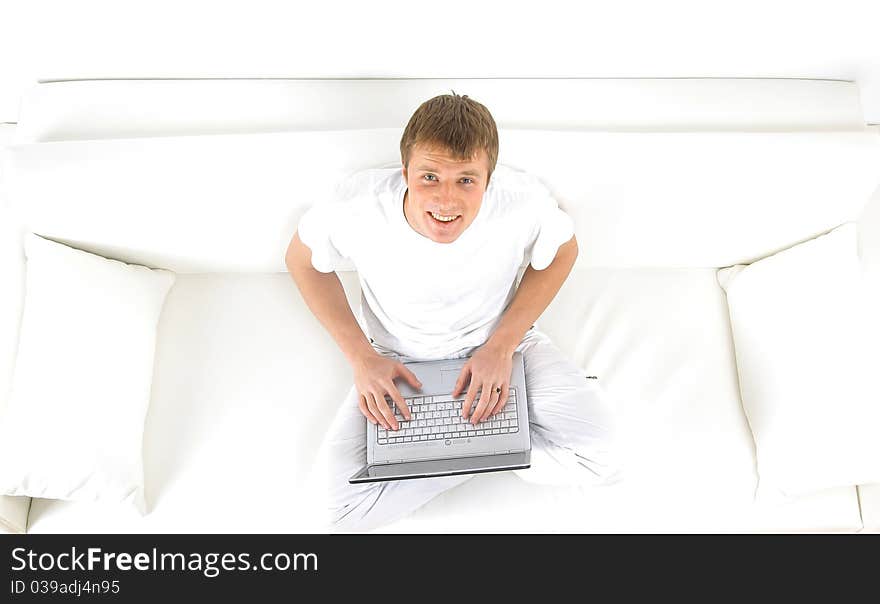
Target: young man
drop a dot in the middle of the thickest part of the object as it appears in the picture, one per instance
(437, 246)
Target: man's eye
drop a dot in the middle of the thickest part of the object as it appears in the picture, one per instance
(431, 178)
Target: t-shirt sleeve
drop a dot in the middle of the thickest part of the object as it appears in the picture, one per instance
(551, 228)
(323, 229)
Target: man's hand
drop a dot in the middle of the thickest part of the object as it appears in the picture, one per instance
(374, 378)
(489, 368)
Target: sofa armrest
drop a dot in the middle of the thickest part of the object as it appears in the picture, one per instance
(13, 510)
(14, 513)
(869, 506)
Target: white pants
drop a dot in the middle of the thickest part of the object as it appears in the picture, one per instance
(572, 435)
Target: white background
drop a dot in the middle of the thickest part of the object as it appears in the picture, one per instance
(51, 39)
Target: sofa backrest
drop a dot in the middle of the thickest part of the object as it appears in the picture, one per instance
(140, 181)
(132, 108)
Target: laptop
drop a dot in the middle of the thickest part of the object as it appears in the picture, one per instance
(437, 441)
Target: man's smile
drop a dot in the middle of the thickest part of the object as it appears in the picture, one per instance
(444, 217)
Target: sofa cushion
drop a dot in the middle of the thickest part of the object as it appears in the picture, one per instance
(73, 425)
(242, 380)
(806, 364)
(664, 199)
(659, 340)
(247, 380)
(624, 508)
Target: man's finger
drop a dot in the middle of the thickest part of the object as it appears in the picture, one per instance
(386, 411)
(460, 382)
(374, 409)
(492, 403)
(495, 403)
(469, 400)
(362, 405)
(480, 413)
(502, 400)
(398, 399)
(409, 376)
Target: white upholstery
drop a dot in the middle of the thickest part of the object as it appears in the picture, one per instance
(246, 378)
(13, 510)
(869, 503)
(83, 374)
(806, 339)
(240, 403)
(231, 202)
(77, 110)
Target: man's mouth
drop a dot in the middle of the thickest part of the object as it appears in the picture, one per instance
(444, 218)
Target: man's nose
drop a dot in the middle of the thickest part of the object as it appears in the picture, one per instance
(447, 193)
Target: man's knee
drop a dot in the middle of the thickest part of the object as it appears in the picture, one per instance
(579, 416)
(575, 439)
(598, 440)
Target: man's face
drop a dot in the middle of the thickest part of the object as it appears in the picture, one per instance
(437, 183)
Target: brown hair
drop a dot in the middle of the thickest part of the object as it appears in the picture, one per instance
(456, 123)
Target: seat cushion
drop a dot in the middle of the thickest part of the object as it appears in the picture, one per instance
(244, 382)
(659, 341)
(247, 380)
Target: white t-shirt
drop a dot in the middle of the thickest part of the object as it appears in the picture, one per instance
(430, 300)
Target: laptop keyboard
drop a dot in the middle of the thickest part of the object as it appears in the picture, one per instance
(439, 417)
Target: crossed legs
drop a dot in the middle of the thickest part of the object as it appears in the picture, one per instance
(572, 433)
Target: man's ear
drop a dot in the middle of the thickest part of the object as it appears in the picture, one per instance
(404, 173)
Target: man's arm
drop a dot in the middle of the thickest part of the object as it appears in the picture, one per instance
(325, 297)
(373, 373)
(536, 290)
(491, 364)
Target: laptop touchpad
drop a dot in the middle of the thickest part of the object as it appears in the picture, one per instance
(448, 377)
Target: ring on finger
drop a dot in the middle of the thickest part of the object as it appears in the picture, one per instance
(496, 407)
(487, 410)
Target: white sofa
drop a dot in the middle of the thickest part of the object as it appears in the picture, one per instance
(667, 180)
